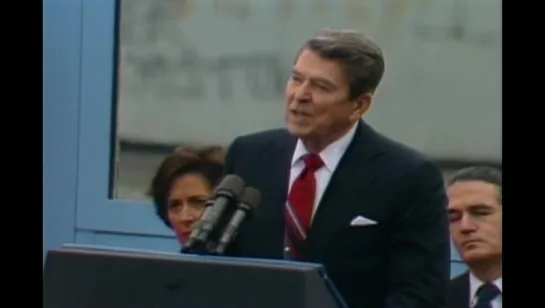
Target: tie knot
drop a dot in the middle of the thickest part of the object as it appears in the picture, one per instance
(313, 162)
(487, 292)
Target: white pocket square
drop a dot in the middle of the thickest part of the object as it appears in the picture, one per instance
(361, 221)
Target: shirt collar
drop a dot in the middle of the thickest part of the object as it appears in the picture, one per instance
(331, 155)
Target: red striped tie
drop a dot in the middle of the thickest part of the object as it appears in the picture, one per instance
(298, 210)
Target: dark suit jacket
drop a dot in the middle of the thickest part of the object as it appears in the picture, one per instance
(403, 261)
(458, 292)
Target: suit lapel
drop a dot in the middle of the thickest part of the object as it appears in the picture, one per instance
(459, 292)
(354, 174)
(278, 162)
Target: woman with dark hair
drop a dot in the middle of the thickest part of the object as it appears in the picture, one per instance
(183, 183)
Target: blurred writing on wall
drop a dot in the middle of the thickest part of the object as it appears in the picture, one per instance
(207, 71)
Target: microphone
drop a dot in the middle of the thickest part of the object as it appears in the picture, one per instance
(227, 191)
(246, 207)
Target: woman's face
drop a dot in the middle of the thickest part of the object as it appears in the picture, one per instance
(185, 203)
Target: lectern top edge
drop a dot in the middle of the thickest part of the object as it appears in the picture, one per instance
(137, 253)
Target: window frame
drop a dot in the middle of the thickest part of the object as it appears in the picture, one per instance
(96, 211)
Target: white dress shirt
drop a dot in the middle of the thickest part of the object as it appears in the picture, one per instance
(475, 283)
(331, 156)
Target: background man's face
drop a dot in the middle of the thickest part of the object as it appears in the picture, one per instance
(475, 214)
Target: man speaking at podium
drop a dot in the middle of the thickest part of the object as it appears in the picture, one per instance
(336, 192)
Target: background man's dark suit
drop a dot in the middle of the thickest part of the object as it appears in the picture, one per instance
(458, 292)
(403, 261)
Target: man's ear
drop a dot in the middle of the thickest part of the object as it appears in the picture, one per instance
(362, 105)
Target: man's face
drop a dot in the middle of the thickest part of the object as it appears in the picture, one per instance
(317, 98)
(475, 214)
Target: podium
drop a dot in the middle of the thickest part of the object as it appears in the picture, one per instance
(100, 277)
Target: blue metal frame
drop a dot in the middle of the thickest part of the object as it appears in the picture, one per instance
(61, 72)
(96, 211)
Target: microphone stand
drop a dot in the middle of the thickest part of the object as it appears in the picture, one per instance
(199, 247)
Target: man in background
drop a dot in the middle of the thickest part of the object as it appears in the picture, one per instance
(475, 213)
(336, 192)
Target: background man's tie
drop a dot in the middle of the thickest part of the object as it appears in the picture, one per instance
(485, 294)
(298, 211)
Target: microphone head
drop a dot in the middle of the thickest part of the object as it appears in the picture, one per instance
(250, 198)
(230, 186)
